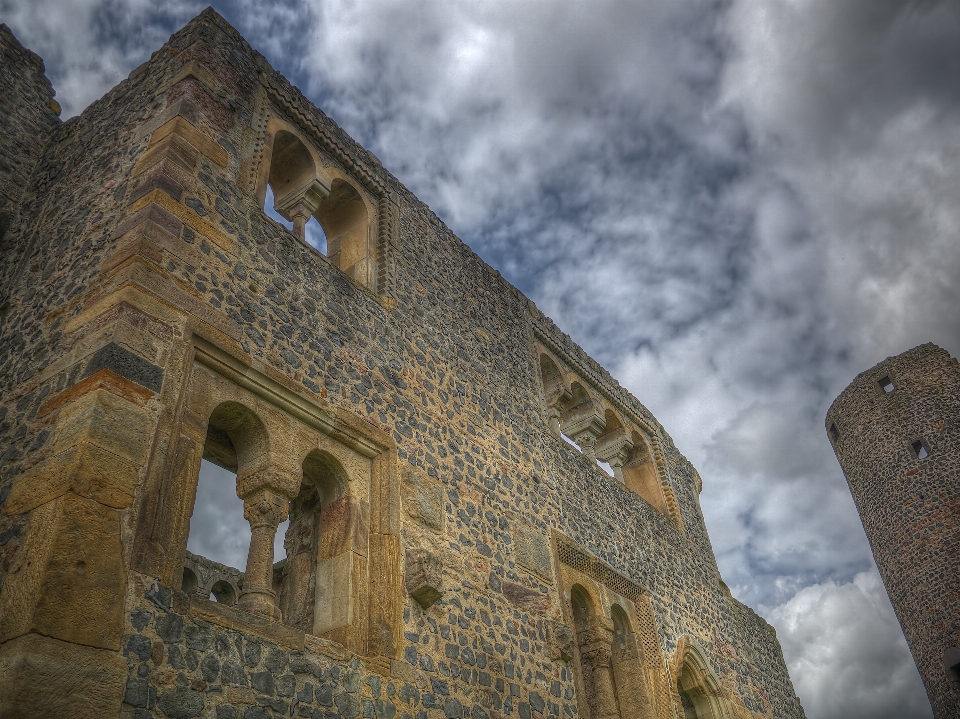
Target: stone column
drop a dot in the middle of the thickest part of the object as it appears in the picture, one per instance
(598, 653)
(299, 204)
(587, 442)
(301, 216)
(615, 448)
(584, 424)
(264, 510)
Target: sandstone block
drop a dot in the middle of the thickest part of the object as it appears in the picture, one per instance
(41, 677)
(424, 577)
(85, 470)
(103, 419)
(423, 500)
(532, 551)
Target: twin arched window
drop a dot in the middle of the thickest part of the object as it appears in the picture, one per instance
(324, 205)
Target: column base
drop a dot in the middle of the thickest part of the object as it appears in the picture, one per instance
(262, 602)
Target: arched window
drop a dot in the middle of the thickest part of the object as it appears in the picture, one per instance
(321, 205)
(190, 581)
(320, 516)
(698, 689)
(640, 473)
(594, 649)
(346, 224)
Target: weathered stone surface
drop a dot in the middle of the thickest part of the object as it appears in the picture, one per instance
(400, 392)
(532, 551)
(423, 500)
(424, 577)
(42, 677)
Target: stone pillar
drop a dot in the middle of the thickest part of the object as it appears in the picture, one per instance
(299, 204)
(598, 654)
(587, 441)
(584, 424)
(264, 510)
(301, 215)
(615, 448)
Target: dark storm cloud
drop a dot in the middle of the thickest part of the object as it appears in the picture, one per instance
(736, 206)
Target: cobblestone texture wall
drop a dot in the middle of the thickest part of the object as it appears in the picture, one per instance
(896, 433)
(442, 358)
(28, 121)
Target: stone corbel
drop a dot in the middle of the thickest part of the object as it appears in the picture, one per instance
(424, 577)
(615, 448)
(584, 424)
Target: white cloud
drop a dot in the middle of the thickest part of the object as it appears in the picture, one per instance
(736, 207)
(846, 654)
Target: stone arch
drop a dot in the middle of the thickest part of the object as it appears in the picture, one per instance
(629, 673)
(236, 438)
(555, 390)
(698, 691)
(582, 419)
(224, 592)
(612, 421)
(345, 216)
(321, 516)
(303, 187)
(641, 475)
(190, 581)
(288, 160)
(594, 643)
(321, 585)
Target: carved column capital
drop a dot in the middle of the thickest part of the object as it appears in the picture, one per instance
(265, 509)
(615, 448)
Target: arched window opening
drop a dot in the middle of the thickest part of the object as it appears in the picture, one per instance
(582, 420)
(218, 530)
(190, 582)
(614, 446)
(698, 690)
(554, 392)
(323, 520)
(594, 649)
(640, 473)
(689, 710)
(634, 694)
(237, 446)
(223, 593)
(294, 187)
(345, 223)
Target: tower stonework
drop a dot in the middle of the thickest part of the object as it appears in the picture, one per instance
(896, 432)
(395, 400)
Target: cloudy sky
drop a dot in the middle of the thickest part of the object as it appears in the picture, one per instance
(734, 205)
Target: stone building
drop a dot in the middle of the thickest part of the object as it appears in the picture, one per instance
(449, 554)
(896, 432)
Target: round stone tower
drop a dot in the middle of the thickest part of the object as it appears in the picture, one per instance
(896, 432)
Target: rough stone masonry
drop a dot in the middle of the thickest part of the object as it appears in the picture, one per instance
(449, 554)
(896, 432)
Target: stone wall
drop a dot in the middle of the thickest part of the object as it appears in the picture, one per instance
(28, 121)
(896, 432)
(160, 316)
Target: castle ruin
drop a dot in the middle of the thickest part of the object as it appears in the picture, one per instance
(449, 554)
(896, 433)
